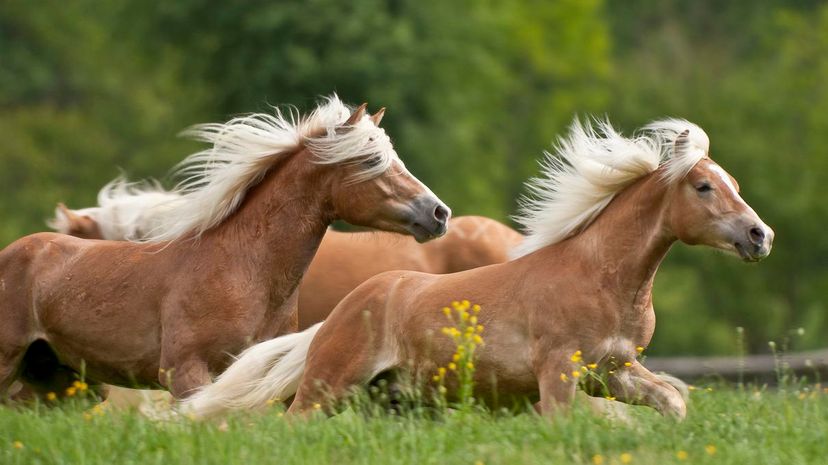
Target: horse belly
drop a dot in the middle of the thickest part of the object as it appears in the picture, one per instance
(108, 329)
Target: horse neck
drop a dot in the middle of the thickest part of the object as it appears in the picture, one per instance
(625, 245)
(282, 220)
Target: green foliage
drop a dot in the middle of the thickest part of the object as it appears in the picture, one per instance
(723, 427)
(475, 91)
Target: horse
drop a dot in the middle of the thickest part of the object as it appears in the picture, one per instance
(343, 261)
(221, 268)
(600, 218)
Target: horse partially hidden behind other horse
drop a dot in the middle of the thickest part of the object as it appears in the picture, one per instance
(342, 262)
(222, 266)
(603, 216)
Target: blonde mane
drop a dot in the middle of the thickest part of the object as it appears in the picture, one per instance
(590, 166)
(215, 180)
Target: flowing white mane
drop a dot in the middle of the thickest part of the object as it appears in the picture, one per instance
(590, 166)
(216, 179)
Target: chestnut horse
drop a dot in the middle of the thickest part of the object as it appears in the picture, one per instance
(221, 267)
(603, 216)
(342, 262)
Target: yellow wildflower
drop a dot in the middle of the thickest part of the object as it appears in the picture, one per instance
(452, 366)
(576, 374)
(476, 308)
(441, 371)
(480, 330)
(455, 357)
(691, 387)
(609, 397)
(626, 457)
(17, 445)
(464, 316)
(597, 459)
(80, 385)
(466, 304)
(710, 449)
(627, 364)
(270, 402)
(87, 416)
(455, 304)
(435, 378)
(477, 339)
(51, 396)
(681, 455)
(446, 311)
(446, 331)
(71, 390)
(470, 365)
(564, 377)
(442, 389)
(317, 406)
(639, 349)
(576, 357)
(592, 366)
(473, 320)
(584, 369)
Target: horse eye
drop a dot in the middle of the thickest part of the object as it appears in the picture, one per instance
(704, 187)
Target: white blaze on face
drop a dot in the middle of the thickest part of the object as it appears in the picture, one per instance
(722, 174)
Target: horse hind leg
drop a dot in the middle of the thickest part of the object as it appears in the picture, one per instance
(335, 367)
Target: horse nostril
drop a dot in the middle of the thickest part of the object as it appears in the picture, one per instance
(441, 213)
(757, 235)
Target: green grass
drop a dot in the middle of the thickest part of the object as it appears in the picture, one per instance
(744, 427)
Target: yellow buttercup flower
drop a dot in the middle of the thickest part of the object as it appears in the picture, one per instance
(480, 330)
(576, 374)
(477, 339)
(476, 308)
(584, 369)
(51, 396)
(473, 320)
(626, 457)
(597, 459)
(441, 371)
(317, 406)
(639, 349)
(627, 364)
(576, 357)
(17, 445)
(564, 377)
(710, 449)
(609, 397)
(592, 366)
(681, 455)
(452, 366)
(446, 311)
(71, 390)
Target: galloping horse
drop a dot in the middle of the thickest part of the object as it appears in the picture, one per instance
(342, 262)
(221, 268)
(604, 214)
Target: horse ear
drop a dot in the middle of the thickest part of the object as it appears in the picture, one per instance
(357, 115)
(69, 214)
(377, 117)
(682, 141)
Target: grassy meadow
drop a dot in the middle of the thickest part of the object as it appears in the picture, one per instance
(724, 426)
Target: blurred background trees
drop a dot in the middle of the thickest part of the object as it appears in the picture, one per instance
(475, 91)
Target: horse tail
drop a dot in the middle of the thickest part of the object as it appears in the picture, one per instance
(268, 371)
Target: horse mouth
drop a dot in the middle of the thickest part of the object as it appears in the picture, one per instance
(422, 234)
(746, 255)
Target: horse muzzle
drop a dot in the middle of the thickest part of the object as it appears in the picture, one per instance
(756, 243)
(429, 219)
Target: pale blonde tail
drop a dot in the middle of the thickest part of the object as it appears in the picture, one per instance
(270, 370)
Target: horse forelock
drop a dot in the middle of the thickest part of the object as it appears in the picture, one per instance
(591, 165)
(215, 180)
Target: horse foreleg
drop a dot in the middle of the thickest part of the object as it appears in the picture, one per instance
(637, 385)
(184, 377)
